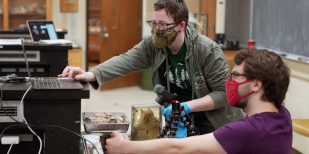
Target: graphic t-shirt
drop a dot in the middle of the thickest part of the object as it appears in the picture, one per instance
(178, 77)
(177, 74)
(267, 132)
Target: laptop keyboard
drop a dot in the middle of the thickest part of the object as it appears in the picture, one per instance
(46, 83)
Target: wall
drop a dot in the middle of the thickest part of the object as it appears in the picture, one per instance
(237, 20)
(147, 14)
(193, 5)
(75, 24)
(297, 99)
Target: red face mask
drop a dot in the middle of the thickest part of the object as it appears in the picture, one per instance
(233, 97)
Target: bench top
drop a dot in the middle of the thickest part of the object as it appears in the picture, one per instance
(301, 126)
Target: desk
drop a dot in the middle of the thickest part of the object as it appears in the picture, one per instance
(47, 107)
(44, 59)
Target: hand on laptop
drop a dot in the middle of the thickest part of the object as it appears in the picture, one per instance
(77, 74)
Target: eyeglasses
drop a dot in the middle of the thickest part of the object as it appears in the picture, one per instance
(161, 25)
(235, 75)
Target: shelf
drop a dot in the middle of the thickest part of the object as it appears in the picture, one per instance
(27, 14)
(16, 12)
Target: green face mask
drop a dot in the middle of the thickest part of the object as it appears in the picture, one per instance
(163, 38)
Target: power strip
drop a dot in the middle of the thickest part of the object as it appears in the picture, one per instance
(10, 140)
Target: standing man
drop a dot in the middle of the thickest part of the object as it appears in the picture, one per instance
(258, 84)
(185, 62)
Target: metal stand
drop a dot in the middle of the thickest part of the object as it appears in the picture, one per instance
(169, 130)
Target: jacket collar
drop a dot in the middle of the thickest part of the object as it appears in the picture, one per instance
(190, 37)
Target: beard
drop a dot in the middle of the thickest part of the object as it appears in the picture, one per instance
(243, 90)
(242, 103)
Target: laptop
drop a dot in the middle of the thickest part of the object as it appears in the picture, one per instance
(49, 83)
(43, 31)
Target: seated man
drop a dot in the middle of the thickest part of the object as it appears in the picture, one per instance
(258, 84)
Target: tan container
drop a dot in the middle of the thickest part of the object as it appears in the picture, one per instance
(145, 121)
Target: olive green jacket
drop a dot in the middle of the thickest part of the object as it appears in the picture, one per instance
(205, 63)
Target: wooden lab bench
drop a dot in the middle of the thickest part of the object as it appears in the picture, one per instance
(301, 126)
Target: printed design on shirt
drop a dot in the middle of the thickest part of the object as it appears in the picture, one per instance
(179, 76)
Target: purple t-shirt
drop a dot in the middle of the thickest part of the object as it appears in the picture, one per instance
(267, 132)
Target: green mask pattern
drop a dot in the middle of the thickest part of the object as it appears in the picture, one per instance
(163, 38)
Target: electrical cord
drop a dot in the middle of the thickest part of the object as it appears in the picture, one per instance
(21, 102)
(22, 99)
(26, 122)
(32, 131)
(53, 126)
(2, 108)
(25, 57)
(10, 149)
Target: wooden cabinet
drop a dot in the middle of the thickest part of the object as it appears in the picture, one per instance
(94, 47)
(15, 13)
(75, 57)
(94, 30)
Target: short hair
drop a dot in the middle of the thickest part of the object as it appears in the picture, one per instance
(177, 9)
(267, 67)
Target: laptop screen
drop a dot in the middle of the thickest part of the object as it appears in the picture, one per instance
(41, 30)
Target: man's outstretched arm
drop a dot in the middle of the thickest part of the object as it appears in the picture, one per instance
(197, 144)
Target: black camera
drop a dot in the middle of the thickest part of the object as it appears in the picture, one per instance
(164, 97)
